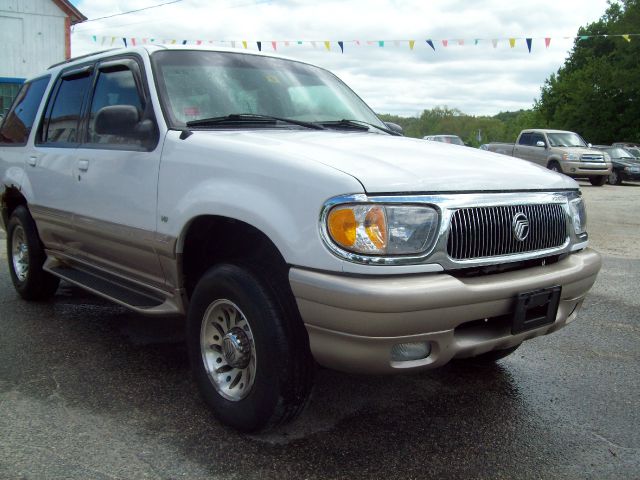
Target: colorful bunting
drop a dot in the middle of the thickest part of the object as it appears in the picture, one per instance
(133, 41)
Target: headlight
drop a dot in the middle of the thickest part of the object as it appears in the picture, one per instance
(578, 215)
(570, 156)
(383, 229)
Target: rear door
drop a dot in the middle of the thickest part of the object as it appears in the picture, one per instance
(116, 179)
(522, 148)
(51, 162)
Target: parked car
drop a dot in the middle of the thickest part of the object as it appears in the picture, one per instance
(560, 151)
(265, 202)
(625, 144)
(625, 165)
(634, 151)
(452, 139)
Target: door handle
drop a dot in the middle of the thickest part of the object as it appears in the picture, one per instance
(33, 161)
(83, 165)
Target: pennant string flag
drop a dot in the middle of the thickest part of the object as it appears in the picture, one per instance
(398, 43)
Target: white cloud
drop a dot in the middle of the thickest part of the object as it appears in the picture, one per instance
(476, 79)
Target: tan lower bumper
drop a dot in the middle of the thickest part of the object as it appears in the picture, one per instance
(586, 169)
(353, 322)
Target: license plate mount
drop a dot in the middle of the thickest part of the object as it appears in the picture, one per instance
(535, 309)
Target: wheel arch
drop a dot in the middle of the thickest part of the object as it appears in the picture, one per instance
(207, 240)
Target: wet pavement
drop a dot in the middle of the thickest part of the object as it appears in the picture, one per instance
(89, 390)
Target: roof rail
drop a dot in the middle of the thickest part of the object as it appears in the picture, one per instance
(81, 57)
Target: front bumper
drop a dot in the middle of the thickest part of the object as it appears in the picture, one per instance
(585, 169)
(354, 322)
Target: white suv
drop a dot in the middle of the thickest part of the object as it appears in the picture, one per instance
(263, 200)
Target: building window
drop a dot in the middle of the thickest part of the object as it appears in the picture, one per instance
(9, 88)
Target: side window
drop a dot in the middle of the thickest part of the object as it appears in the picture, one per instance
(17, 126)
(525, 139)
(537, 137)
(114, 88)
(63, 120)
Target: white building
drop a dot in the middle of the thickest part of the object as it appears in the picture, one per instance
(34, 34)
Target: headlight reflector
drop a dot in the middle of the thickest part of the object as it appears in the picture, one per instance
(372, 229)
(578, 215)
(570, 156)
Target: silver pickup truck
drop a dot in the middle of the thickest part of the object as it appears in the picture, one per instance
(560, 151)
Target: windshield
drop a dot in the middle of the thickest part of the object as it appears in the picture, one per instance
(196, 85)
(619, 153)
(566, 139)
(633, 151)
(454, 139)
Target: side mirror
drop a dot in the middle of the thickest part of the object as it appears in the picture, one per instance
(540, 143)
(122, 120)
(394, 127)
(589, 145)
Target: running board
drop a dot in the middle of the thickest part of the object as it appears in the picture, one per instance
(116, 289)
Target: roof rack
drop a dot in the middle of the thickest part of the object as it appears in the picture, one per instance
(81, 57)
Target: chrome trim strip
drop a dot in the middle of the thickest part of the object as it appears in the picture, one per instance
(446, 205)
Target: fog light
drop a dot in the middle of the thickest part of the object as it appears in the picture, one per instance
(404, 352)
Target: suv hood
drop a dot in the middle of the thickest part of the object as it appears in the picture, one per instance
(389, 164)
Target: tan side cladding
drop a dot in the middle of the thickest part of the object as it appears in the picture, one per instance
(419, 304)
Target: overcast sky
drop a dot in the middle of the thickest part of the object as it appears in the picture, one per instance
(477, 79)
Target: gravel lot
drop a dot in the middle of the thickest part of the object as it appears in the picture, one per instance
(89, 390)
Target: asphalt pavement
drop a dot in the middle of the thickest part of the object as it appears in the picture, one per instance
(89, 390)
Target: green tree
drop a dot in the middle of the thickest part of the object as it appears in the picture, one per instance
(597, 91)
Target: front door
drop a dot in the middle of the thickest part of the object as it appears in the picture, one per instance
(117, 179)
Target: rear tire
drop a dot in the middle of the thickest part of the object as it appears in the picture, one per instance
(598, 181)
(492, 356)
(26, 256)
(249, 349)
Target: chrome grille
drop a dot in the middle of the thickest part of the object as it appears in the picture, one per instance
(480, 232)
(592, 157)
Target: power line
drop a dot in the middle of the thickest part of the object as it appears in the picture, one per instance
(132, 11)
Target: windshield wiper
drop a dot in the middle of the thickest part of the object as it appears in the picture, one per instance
(358, 125)
(240, 118)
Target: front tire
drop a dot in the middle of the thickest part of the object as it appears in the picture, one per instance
(248, 348)
(26, 257)
(614, 178)
(554, 167)
(598, 181)
(492, 356)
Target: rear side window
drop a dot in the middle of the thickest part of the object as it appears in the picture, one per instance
(114, 88)
(17, 126)
(62, 123)
(525, 139)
